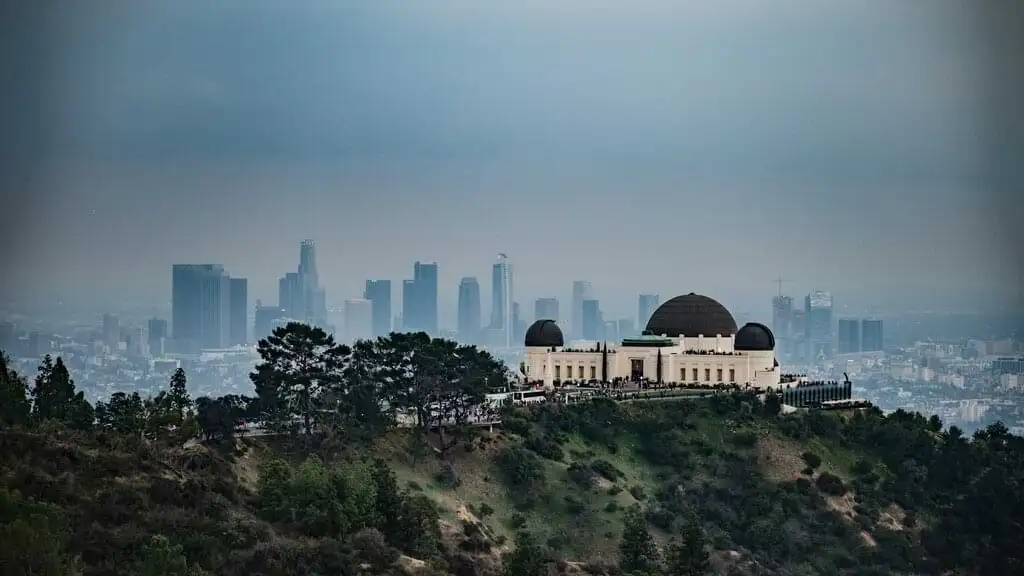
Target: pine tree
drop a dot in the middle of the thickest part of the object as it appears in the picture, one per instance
(15, 407)
(637, 550)
(178, 398)
(53, 392)
(687, 556)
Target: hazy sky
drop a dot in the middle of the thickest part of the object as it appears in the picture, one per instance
(645, 146)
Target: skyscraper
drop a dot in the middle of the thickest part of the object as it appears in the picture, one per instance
(200, 306)
(818, 309)
(848, 334)
(291, 298)
(592, 322)
(238, 329)
(378, 292)
(501, 299)
(410, 307)
(469, 311)
(157, 329)
(646, 305)
(425, 279)
(111, 332)
(266, 318)
(871, 335)
(545, 309)
(300, 294)
(581, 291)
(358, 319)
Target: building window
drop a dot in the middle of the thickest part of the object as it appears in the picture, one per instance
(732, 374)
(695, 378)
(580, 372)
(718, 375)
(707, 374)
(682, 374)
(593, 372)
(558, 372)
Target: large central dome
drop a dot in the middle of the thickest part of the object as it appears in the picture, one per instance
(692, 315)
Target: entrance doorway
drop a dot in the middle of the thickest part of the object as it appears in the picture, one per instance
(636, 369)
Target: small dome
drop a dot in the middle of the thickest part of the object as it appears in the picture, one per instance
(754, 337)
(692, 315)
(544, 334)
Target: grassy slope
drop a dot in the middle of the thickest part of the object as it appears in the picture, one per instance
(594, 533)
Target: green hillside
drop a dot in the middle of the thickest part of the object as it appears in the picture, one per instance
(716, 485)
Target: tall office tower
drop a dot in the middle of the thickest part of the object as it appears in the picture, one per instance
(238, 327)
(358, 320)
(626, 328)
(266, 317)
(200, 306)
(545, 309)
(610, 331)
(314, 297)
(425, 277)
(157, 328)
(469, 311)
(379, 293)
(646, 305)
(581, 291)
(518, 331)
(111, 332)
(871, 335)
(137, 342)
(501, 299)
(410, 307)
(818, 309)
(291, 298)
(848, 334)
(591, 320)
(782, 316)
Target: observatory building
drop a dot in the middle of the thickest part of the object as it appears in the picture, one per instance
(689, 340)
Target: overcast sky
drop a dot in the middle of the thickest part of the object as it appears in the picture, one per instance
(858, 146)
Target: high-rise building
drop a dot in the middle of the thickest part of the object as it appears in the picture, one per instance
(545, 309)
(358, 319)
(157, 328)
(848, 333)
(469, 311)
(626, 328)
(378, 292)
(646, 305)
(265, 320)
(501, 299)
(782, 316)
(871, 335)
(200, 306)
(818, 331)
(238, 330)
(581, 290)
(111, 332)
(291, 298)
(610, 331)
(419, 299)
(300, 293)
(7, 337)
(592, 322)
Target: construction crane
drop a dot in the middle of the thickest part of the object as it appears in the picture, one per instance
(779, 281)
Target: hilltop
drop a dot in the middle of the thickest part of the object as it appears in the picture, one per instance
(694, 485)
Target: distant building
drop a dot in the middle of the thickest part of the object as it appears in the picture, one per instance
(501, 300)
(646, 305)
(581, 290)
(545, 309)
(8, 339)
(871, 336)
(157, 328)
(818, 328)
(469, 311)
(592, 320)
(626, 328)
(358, 320)
(266, 317)
(378, 292)
(419, 299)
(238, 331)
(111, 332)
(694, 341)
(200, 307)
(849, 341)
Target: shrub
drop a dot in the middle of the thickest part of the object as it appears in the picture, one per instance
(811, 459)
(606, 469)
(831, 484)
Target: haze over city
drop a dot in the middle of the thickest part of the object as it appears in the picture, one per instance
(661, 147)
